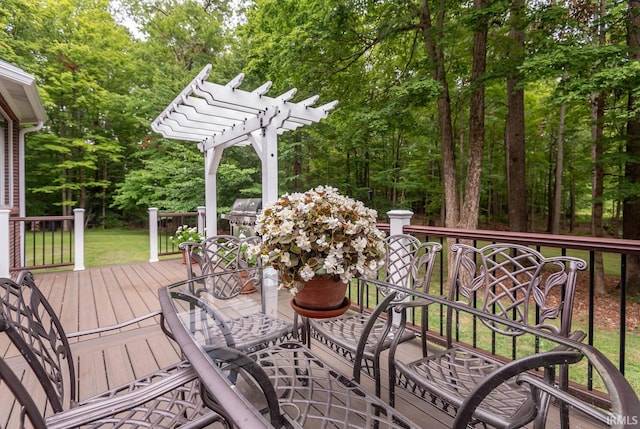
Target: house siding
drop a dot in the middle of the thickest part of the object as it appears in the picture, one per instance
(10, 170)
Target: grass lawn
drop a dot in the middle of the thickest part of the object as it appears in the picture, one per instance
(115, 246)
(101, 247)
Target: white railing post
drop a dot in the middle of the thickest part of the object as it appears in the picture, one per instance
(153, 234)
(4, 243)
(202, 213)
(397, 220)
(78, 234)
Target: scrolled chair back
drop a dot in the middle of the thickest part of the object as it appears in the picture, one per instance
(34, 329)
(408, 263)
(517, 283)
(220, 254)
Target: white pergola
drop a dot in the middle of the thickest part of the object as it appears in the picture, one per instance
(219, 116)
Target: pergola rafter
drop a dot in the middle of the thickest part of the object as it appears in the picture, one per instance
(219, 116)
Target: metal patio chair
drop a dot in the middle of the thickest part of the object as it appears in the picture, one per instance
(510, 282)
(168, 398)
(227, 254)
(409, 264)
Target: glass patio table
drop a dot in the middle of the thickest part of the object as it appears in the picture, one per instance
(277, 383)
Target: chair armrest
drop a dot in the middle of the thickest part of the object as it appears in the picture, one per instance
(565, 397)
(383, 306)
(577, 336)
(235, 361)
(418, 302)
(114, 327)
(105, 407)
(512, 369)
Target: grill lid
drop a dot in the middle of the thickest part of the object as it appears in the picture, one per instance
(246, 207)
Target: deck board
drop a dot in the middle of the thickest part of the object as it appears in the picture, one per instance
(106, 315)
(104, 296)
(89, 314)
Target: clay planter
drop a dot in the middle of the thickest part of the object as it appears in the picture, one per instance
(184, 258)
(321, 297)
(249, 286)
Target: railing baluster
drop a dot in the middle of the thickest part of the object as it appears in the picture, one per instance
(167, 225)
(623, 311)
(42, 237)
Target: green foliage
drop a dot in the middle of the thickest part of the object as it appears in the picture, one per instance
(102, 85)
(172, 179)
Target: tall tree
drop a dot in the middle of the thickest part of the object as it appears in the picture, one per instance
(515, 126)
(469, 214)
(597, 149)
(432, 33)
(556, 206)
(631, 216)
(81, 57)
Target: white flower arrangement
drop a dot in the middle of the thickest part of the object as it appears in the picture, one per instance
(319, 232)
(184, 233)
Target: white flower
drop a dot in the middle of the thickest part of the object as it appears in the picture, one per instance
(306, 273)
(319, 232)
(287, 227)
(332, 223)
(302, 241)
(330, 263)
(322, 241)
(286, 259)
(359, 243)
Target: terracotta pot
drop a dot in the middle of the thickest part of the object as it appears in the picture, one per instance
(249, 286)
(321, 293)
(184, 257)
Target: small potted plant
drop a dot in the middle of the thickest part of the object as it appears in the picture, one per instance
(247, 260)
(319, 238)
(184, 234)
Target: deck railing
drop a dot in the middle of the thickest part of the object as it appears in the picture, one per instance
(619, 339)
(162, 226)
(36, 242)
(610, 321)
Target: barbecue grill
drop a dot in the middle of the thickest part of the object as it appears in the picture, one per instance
(242, 219)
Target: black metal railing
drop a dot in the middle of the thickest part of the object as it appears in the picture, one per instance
(610, 321)
(168, 223)
(48, 242)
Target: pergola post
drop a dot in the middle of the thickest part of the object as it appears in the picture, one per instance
(270, 195)
(211, 162)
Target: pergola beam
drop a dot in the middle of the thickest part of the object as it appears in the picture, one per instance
(219, 116)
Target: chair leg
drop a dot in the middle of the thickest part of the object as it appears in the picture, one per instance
(376, 375)
(392, 385)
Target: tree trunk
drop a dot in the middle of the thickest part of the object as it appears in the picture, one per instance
(572, 201)
(550, 184)
(557, 192)
(438, 73)
(471, 205)
(597, 175)
(631, 209)
(516, 178)
(597, 186)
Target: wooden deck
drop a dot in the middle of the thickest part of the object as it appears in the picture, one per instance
(105, 296)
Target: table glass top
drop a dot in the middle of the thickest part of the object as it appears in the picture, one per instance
(264, 377)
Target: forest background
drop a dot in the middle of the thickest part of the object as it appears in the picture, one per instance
(516, 113)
